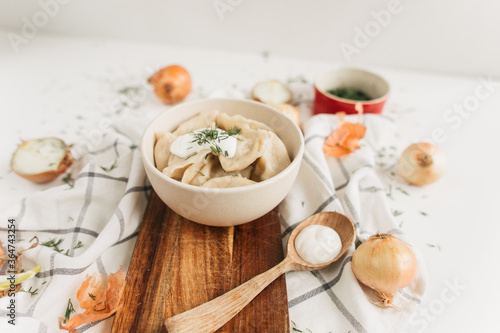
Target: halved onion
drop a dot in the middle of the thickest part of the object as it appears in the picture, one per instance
(271, 92)
(41, 160)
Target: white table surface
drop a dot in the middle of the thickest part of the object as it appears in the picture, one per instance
(60, 86)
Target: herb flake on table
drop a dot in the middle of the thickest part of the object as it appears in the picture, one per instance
(113, 166)
(29, 291)
(68, 180)
(402, 191)
(435, 246)
(397, 213)
(69, 310)
(53, 243)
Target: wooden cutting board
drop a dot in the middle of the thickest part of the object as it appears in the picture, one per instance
(178, 264)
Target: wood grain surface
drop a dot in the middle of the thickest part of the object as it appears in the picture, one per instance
(178, 264)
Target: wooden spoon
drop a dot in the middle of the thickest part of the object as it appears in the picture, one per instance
(210, 316)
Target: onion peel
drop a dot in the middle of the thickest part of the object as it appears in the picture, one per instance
(99, 296)
(344, 139)
(18, 277)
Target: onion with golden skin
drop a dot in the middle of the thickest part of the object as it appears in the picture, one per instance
(171, 84)
(385, 264)
(422, 164)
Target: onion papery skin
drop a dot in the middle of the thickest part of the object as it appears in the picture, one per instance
(384, 264)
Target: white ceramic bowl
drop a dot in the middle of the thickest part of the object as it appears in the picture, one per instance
(226, 206)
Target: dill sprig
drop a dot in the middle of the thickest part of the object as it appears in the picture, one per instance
(92, 296)
(53, 243)
(98, 310)
(213, 136)
(69, 310)
(113, 166)
(68, 179)
(29, 291)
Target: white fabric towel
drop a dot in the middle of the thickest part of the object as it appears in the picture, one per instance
(98, 218)
(331, 300)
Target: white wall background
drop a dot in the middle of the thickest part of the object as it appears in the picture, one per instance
(459, 36)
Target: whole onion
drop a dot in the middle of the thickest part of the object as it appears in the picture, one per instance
(422, 164)
(385, 264)
(171, 84)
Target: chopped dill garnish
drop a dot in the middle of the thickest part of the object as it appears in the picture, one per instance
(68, 179)
(104, 308)
(435, 245)
(69, 310)
(423, 213)
(233, 131)
(213, 137)
(190, 155)
(92, 296)
(371, 189)
(113, 166)
(78, 245)
(402, 191)
(397, 212)
(29, 291)
(53, 243)
(199, 172)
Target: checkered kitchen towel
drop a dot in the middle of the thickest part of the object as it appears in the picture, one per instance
(331, 300)
(96, 219)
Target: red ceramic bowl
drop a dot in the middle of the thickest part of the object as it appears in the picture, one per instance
(370, 83)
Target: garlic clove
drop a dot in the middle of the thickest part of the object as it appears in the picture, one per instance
(41, 160)
(271, 92)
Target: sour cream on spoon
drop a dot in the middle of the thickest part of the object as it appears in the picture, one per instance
(318, 244)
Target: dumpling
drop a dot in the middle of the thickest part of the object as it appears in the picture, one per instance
(202, 120)
(199, 173)
(219, 172)
(178, 165)
(162, 149)
(249, 147)
(228, 181)
(227, 122)
(274, 160)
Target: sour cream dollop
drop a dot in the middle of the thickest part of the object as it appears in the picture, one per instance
(318, 244)
(205, 138)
